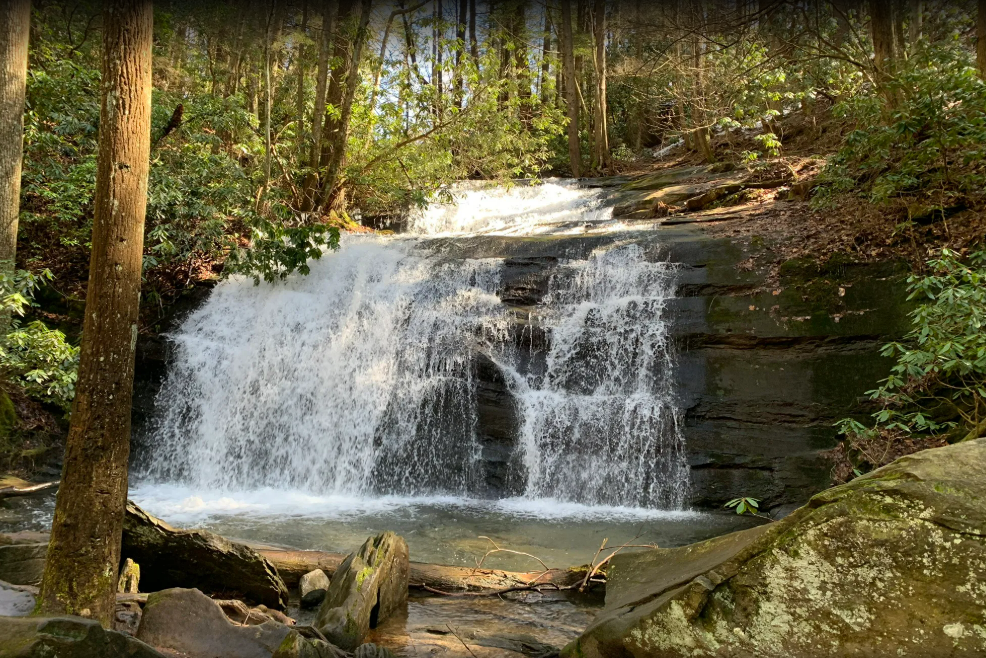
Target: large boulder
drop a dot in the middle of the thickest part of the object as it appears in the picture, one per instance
(189, 622)
(196, 558)
(66, 637)
(892, 563)
(312, 588)
(369, 587)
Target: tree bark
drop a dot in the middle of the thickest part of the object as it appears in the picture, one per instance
(602, 156)
(571, 93)
(15, 27)
(300, 70)
(916, 23)
(545, 61)
(882, 26)
(981, 39)
(336, 132)
(473, 37)
(80, 574)
(460, 35)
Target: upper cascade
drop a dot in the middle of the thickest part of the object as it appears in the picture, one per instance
(554, 205)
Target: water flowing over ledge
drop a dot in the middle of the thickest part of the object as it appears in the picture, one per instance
(356, 386)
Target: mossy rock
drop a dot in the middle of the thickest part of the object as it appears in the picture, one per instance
(367, 588)
(892, 563)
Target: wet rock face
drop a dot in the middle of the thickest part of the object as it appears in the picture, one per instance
(890, 564)
(369, 587)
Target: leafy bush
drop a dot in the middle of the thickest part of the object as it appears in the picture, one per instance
(924, 138)
(276, 249)
(37, 358)
(938, 385)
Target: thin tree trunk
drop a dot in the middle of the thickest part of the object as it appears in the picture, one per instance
(378, 71)
(268, 92)
(325, 45)
(15, 27)
(545, 61)
(334, 151)
(80, 575)
(882, 26)
(460, 35)
(599, 57)
(300, 101)
(981, 39)
(473, 37)
(571, 93)
(916, 24)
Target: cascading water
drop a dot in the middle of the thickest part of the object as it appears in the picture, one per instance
(360, 379)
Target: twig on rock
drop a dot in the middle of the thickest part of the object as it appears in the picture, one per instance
(449, 627)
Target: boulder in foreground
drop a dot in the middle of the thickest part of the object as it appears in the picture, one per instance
(369, 587)
(196, 558)
(190, 623)
(312, 588)
(66, 637)
(892, 563)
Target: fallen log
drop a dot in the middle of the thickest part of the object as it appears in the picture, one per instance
(11, 486)
(292, 565)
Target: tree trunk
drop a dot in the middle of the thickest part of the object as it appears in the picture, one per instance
(300, 100)
(460, 35)
(337, 133)
(545, 61)
(602, 157)
(80, 575)
(15, 27)
(473, 37)
(981, 39)
(330, 9)
(882, 26)
(571, 93)
(268, 92)
(916, 24)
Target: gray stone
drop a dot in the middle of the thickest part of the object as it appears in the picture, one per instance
(312, 587)
(66, 637)
(892, 563)
(16, 601)
(189, 622)
(23, 564)
(370, 650)
(196, 558)
(369, 587)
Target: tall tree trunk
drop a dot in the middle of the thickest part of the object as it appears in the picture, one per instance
(268, 91)
(571, 93)
(473, 37)
(916, 23)
(460, 35)
(300, 70)
(80, 575)
(882, 26)
(522, 68)
(545, 61)
(336, 135)
(330, 9)
(15, 27)
(981, 39)
(602, 157)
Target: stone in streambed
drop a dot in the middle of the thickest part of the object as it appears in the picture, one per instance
(369, 587)
(297, 646)
(892, 563)
(312, 588)
(129, 577)
(16, 601)
(66, 637)
(22, 562)
(189, 622)
(370, 650)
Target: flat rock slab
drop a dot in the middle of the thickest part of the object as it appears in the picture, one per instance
(16, 601)
(892, 563)
(169, 558)
(23, 563)
(368, 588)
(66, 637)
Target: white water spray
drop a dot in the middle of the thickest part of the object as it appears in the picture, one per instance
(359, 380)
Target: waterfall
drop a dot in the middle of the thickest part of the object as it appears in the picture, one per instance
(360, 379)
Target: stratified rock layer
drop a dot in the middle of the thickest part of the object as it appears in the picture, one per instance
(891, 564)
(369, 587)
